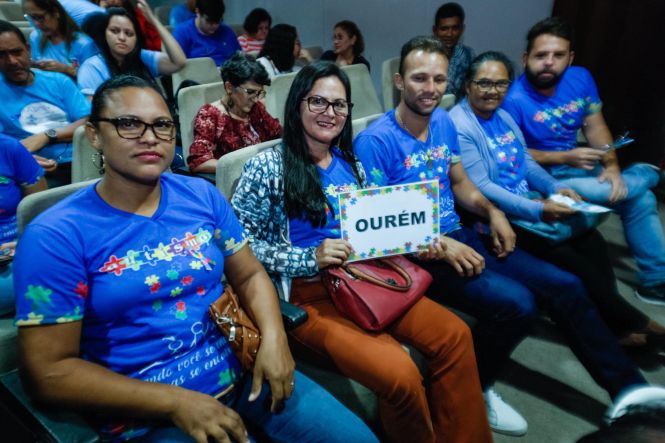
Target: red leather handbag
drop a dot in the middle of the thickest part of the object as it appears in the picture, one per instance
(374, 293)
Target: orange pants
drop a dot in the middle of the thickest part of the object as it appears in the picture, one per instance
(451, 409)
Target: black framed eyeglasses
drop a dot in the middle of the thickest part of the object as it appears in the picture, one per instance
(253, 93)
(487, 85)
(131, 128)
(35, 17)
(319, 105)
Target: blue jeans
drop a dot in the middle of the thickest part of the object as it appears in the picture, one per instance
(505, 297)
(311, 415)
(638, 212)
(6, 290)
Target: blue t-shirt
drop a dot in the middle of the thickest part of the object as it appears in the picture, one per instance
(391, 155)
(337, 177)
(79, 10)
(17, 168)
(551, 123)
(51, 101)
(508, 154)
(140, 285)
(220, 46)
(180, 14)
(81, 48)
(94, 71)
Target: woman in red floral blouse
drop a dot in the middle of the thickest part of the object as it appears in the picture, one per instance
(237, 120)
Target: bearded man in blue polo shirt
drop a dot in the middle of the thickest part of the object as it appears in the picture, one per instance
(550, 102)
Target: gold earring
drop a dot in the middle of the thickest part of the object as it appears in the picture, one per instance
(98, 161)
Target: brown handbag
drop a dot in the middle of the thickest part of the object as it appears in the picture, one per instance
(237, 326)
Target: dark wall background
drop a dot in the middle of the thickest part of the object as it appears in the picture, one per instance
(622, 42)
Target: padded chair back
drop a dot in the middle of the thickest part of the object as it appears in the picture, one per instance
(51, 424)
(447, 101)
(163, 13)
(363, 95)
(360, 124)
(86, 165)
(229, 166)
(11, 11)
(26, 31)
(390, 93)
(190, 101)
(202, 70)
(277, 93)
(34, 204)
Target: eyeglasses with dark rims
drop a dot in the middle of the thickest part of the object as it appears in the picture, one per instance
(131, 128)
(319, 105)
(486, 85)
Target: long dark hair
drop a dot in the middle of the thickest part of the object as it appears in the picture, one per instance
(303, 194)
(132, 64)
(66, 25)
(279, 46)
(352, 30)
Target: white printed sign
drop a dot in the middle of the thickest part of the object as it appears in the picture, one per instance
(390, 220)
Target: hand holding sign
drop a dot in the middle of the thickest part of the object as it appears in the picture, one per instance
(332, 252)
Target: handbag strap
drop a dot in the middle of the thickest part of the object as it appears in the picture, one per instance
(356, 272)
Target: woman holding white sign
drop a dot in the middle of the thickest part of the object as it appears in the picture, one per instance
(494, 156)
(293, 225)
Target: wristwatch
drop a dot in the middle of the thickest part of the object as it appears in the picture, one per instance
(52, 136)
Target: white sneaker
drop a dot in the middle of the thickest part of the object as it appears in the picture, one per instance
(632, 397)
(502, 417)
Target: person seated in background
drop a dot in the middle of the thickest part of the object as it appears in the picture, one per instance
(206, 35)
(550, 102)
(449, 28)
(20, 175)
(349, 45)
(293, 190)
(81, 10)
(496, 159)
(40, 108)
(121, 53)
(171, 376)
(281, 50)
(257, 25)
(182, 12)
(56, 43)
(236, 120)
(485, 276)
(150, 33)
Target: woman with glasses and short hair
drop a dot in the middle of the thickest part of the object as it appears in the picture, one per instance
(56, 43)
(286, 200)
(237, 120)
(114, 321)
(496, 159)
